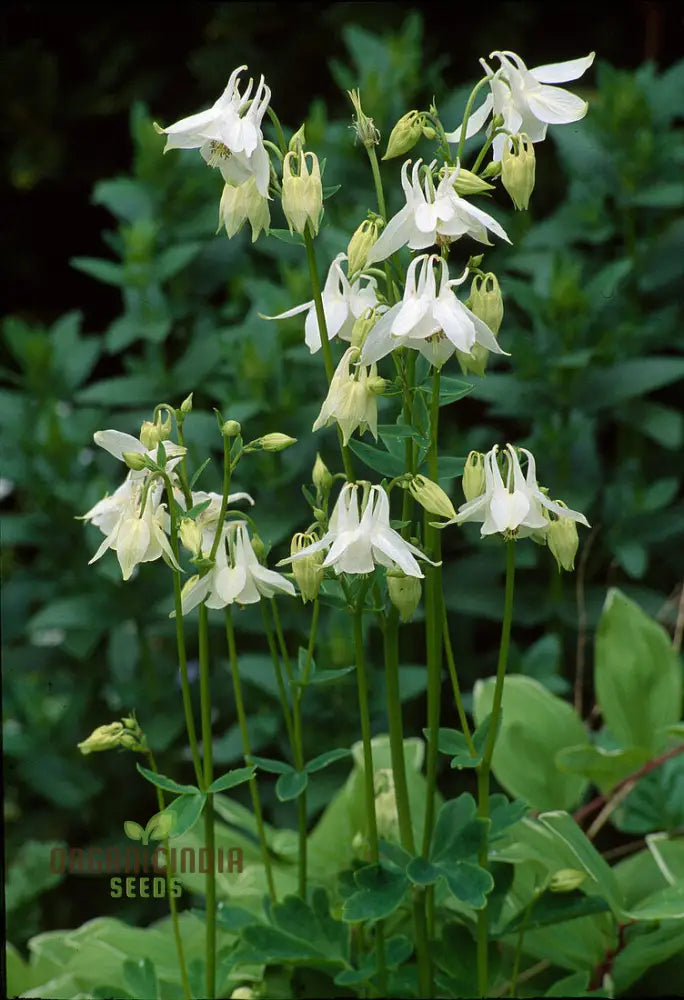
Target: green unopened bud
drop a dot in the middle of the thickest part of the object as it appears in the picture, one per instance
(431, 496)
(363, 325)
(321, 477)
(308, 571)
(386, 811)
(517, 169)
(298, 140)
(428, 132)
(359, 245)
(150, 434)
(191, 535)
(492, 169)
(404, 135)
(258, 548)
(474, 476)
(404, 592)
(469, 183)
(134, 460)
(240, 203)
(363, 125)
(376, 384)
(271, 442)
(186, 405)
(243, 993)
(320, 515)
(302, 192)
(475, 362)
(486, 300)
(563, 540)
(231, 429)
(113, 736)
(566, 879)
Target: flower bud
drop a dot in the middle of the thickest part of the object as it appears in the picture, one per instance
(486, 300)
(517, 169)
(191, 535)
(302, 193)
(321, 477)
(375, 383)
(258, 548)
(134, 460)
(271, 442)
(474, 476)
(363, 125)
(475, 362)
(112, 736)
(298, 140)
(308, 572)
(186, 405)
(386, 811)
(359, 245)
(566, 879)
(362, 327)
(469, 183)
(492, 169)
(231, 429)
(563, 540)
(428, 132)
(150, 435)
(404, 592)
(431, 496)
(404, 135)
(240, 203)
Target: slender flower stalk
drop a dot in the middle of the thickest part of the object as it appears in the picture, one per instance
(297, 695)
(208, 777)
(246, 750)
(483, 772)
(173, 907)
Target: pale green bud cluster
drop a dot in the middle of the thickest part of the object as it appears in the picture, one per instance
(125, 734)
(363, 125)
(404, 592)
(191, 535)
(474, 476)
(134, 460)
(563, 540)
(241, 203)
(231, 429)
(308, 572)
(486, 300)
(321, 476)
(302, 192)
(152, 433)
(518, 169)
(362, 240)
(271, 442)
(469, 183)
(566, 880)
(404, 135)
(431, 497)
(363, 326)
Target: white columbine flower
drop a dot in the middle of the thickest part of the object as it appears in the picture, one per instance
(357, 544)
(434, 322)
(352, 397)
(228, 134)
(343, 303)
(516, 506)
(525, 99)
(430, 212)
(237, 575)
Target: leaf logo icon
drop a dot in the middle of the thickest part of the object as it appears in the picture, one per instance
(134, 831)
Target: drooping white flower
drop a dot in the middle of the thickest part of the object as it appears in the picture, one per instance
(240, 203)
(516, 505)
(117, 443)
(352, 397)
(357, 544)
(237, 576)
(430, 212)
(430, 320)
(228, 134)
(343, 303)
(526, 99)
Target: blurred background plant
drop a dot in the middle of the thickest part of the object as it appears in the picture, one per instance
(591, 286)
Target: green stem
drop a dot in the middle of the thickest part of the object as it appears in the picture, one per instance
(208, 777)
(279, 675)
(325, 343)
(187, 993)
(242, 722)
(466, 115)
(180, 638)
(463, 718)
(368, 772)
(279, 129)
(281, 641)
(484, 769)
(391, 643)
(297, 694)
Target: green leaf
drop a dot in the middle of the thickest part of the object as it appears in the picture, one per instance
(272, 766)
(174, 259)
(291, 785)
(605, 387)
(168, 784)
(123, 197)
(185, 812)
(381, 890)
(423, 872)
(231, 779)
(555, 908)
(125, 390)
(103, 270)
(324, 759)
(535, 726)
(294, 239)
(299, 932)
(160, 825)
(377, 459)
(450, 390)
(141, 978)
(637, 675)
(133, 830)
(604, 768)
(331, 676)
(667, 904)
(565, 827)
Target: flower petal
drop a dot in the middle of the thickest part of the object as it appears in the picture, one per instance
(556, 106)
(564, 71)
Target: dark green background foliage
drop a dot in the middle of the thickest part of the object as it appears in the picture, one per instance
(158, 306)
